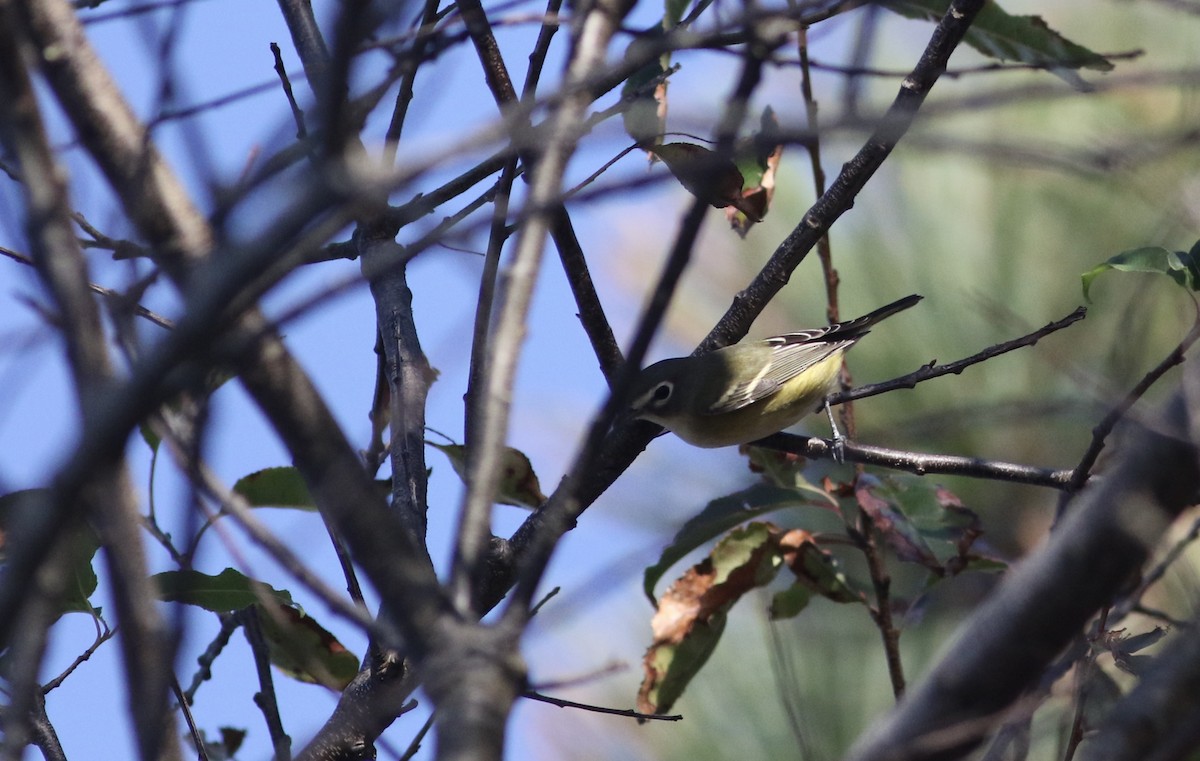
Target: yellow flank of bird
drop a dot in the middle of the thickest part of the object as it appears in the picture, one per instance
(745, 392)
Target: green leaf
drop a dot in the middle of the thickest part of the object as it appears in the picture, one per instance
(719, 516)
(82, 581)
(296, 643)
(673, 12)
(275, 487)
(790, 602)
(224, 593)
(646, 114)
(817, 569)
(935, 511)
(151, 438)
(1181, 266)
(997, 34)
(984, 564)
(743, 550)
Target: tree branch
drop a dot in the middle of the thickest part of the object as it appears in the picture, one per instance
(919, 463)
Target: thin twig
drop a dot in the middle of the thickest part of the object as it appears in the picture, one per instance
(229, 625)
(1117, 413)
(138, 309)
(186, 709)
(286, 83)
(541, 48)
(558, 684)
(881, 611)
(628, 712)
(813, 148)
(415, 745)
(1152, 576)
(408, 74)
(265, 698)
(103, 634)
(1084, 668)
(987, 68)
(934, 370)
(474, 528)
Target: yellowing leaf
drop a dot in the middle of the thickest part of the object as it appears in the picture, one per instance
(717, 517)
(757, 158)
(815, 569)
(519, 485)
(304, 650)
(691, 614)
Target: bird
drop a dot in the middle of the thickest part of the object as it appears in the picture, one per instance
(750, 390)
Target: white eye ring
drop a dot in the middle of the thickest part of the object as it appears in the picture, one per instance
(662, 392)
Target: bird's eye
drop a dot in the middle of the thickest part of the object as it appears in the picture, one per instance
(663, 392)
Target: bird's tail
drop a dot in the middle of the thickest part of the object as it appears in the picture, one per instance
(860, 325)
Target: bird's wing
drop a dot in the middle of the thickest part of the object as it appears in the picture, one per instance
(791, 355)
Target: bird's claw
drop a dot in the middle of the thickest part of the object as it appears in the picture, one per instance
(838, 445)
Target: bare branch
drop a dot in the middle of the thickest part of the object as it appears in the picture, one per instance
(1106, 425)
(919, 463)
(186, 710)
(934, 370)
(627, 712)
(265, 698)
